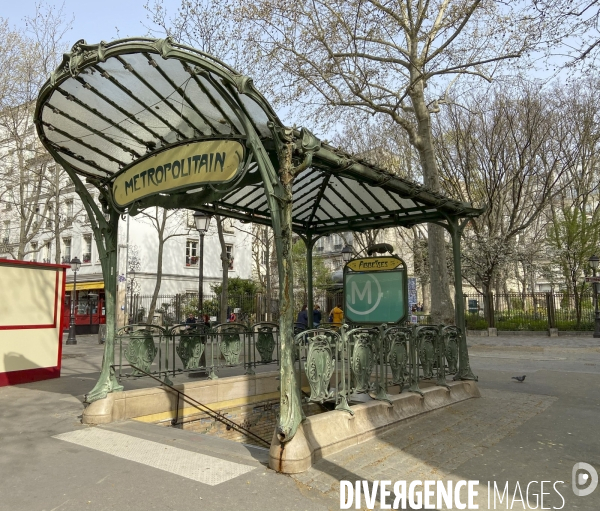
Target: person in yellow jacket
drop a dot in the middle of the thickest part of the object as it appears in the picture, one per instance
(337, 315)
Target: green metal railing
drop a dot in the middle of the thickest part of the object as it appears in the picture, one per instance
(339, 364)
(185, 348)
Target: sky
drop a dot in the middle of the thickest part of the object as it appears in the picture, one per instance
(94, 21)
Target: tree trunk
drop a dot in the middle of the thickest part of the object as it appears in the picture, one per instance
(488, 304)
(159, 261)
(442, 309)
(225, 268)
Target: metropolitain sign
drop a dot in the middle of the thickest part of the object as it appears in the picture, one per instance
(184, 166)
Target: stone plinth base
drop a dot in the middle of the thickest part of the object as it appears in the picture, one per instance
(327, 433)
(158, 403)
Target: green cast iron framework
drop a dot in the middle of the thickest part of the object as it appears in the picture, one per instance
(136, 118)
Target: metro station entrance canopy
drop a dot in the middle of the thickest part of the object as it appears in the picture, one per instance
(151, 122)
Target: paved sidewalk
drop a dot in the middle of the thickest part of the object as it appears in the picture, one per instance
(536, 430)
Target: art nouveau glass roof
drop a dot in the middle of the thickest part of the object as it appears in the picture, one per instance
(112, 104)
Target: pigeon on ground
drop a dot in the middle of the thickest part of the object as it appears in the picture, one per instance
(520, 379)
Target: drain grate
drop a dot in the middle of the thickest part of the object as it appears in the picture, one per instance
(73, 355)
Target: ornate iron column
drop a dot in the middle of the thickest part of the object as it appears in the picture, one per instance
(105, 225)
(309, 242)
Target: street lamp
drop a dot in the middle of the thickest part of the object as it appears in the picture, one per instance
(75, 265)
(347, 253)
(202, 221)
(594, 260)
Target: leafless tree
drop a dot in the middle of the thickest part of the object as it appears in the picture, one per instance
(26, 59)
(391, 58)
(507, 150)
(168, 224)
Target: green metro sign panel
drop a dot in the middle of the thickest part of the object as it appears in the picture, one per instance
(375, 295)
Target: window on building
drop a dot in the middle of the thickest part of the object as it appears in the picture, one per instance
(229, 252)
(338, 242)
(49, 215)
(66, 250)
(228, 226)
(47, 253)
(191, 253)
(6, 232)
(86, 257)
(320, 245)
(69, 212)
(10, 197)
(190, 219)
(34, 252)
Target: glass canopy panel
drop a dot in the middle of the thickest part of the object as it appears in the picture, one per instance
(300, 189)
(367, 196)
(326, 211)
(346, 194)
(180, 87)
(102, 109)
(386, 200)
(83, 166)
(259, 202)
(338, 203)
(405, 203)
(78, 149)
(80, 133)
(257, 115)
(202, 103)
(130, 106)
(249, 200)
(90, 99)
(239, 196)
(225, 112)
(306, 178)
(305, 200)
(143, 88)
(76, 111)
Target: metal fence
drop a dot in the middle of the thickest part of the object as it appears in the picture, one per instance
(530, 311)
(510, 311)
(247, 308)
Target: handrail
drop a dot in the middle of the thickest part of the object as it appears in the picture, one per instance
(212, 413)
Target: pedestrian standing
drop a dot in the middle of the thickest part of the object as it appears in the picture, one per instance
(337, 315)
(317, 315)
(303, 316)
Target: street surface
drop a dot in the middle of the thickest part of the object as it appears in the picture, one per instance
(517, 432)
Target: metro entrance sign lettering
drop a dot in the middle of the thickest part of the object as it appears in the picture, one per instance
(375, 290)
(176, 168)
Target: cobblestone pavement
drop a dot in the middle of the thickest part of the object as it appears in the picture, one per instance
(432, 446)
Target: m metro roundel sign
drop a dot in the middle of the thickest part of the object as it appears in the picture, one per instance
(375, 290)
(183, 166)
